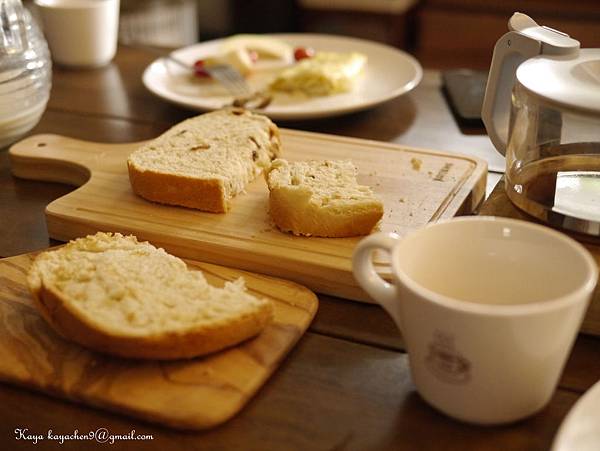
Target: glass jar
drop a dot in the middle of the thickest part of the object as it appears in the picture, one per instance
(542, 111)
(25, 72)
(553, 162)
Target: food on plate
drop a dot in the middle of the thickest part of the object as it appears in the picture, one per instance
(119, 296)
(200, 69)
(299, 70)
(205, 161)
(239, 59)
(264, 47)
(321, 198)
(301, 53)
(323, 74)
(242, 52)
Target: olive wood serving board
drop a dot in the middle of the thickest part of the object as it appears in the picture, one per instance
(416, 185)
(188, 394)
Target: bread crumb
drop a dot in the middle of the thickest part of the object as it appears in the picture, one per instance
(401, 200)
(416, 164)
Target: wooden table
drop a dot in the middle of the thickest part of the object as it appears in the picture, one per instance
(347, 384)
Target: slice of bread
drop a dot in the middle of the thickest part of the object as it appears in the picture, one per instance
(205, 161)
(321, 198)
(119, 296)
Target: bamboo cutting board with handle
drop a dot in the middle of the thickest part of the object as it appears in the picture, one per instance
(417, 186)
(188, 394)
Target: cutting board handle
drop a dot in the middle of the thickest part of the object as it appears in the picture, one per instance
(55, 158)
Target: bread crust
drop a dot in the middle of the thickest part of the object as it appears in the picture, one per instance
(165, 346)
(311, 220)
(201, 194)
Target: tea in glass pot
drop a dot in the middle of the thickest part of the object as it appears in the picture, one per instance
(542, 111)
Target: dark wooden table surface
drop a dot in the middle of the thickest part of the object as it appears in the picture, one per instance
(346, 385)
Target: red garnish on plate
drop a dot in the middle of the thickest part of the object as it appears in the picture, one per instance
(301, 53)
(199, 70)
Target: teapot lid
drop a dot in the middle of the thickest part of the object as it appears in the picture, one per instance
(570, 81)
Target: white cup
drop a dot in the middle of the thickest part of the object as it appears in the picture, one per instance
(80, 33)
(488, 308)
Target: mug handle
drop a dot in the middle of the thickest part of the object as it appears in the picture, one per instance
(383, 292)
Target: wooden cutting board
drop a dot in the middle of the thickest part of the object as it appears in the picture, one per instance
(188, 394)
(416, 186)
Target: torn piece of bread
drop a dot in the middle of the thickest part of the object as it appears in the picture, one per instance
(119, 296)
(205, 161)
(321, 198)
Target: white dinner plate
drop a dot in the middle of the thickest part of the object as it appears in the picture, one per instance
(389, 72)
(580, 430)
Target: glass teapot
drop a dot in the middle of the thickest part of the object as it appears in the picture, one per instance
(542, 111)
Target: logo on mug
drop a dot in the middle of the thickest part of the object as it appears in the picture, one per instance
(445, 361)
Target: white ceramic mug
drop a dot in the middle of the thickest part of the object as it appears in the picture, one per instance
(488, 308)
(80, 33)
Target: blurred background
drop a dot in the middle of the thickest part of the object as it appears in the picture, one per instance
(440, 33)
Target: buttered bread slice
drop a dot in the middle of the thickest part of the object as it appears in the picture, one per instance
(321, 198)
(119, 296)
(205, 161)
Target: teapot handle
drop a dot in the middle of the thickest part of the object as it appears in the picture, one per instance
(509, 52)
